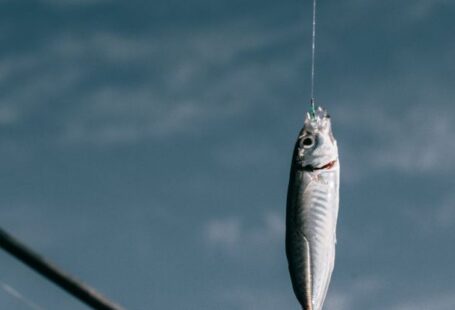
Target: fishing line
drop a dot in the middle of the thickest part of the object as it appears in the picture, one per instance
(18, 296)
(313, 49)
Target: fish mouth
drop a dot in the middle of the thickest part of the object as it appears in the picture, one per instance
(327, 166)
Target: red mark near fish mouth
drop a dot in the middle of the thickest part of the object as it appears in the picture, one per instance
(325, 167)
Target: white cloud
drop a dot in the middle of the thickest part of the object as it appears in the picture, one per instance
(350, 297)
(8, 115)
(190, 80)
(32, 80)
(106, 46)
(247, 298)
(237, 237)
(434, 220)
(127, 115)
(433, 302)
(225, 232)
(412, 11)
(420, 141)
(187, 80)
(417, 141)
(354, 294)
(339, 301)
(421, 9)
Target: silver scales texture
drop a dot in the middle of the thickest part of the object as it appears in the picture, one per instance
(312, 211)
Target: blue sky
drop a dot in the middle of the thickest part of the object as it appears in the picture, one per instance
(145, 148)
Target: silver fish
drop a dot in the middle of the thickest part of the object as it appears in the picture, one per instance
(312, 211)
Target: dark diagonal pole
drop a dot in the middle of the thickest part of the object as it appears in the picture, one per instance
(82, 292)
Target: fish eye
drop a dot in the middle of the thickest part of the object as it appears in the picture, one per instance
(308, 142)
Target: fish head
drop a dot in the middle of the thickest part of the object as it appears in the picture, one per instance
(317, 147)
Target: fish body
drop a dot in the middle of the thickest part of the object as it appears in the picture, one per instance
(312, 211)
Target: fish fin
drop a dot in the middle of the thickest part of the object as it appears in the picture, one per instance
(309, 304)
(306, 302)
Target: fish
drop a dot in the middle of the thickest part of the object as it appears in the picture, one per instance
(312, 210)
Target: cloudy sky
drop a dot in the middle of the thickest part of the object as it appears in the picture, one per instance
(145, 148)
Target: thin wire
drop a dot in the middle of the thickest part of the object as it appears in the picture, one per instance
(313, 49)
(14, 293)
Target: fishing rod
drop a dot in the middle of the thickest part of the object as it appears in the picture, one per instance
(36, 262)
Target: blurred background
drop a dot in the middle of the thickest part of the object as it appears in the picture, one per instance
(145, 148)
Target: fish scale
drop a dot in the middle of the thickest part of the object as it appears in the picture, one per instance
(319, 230)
